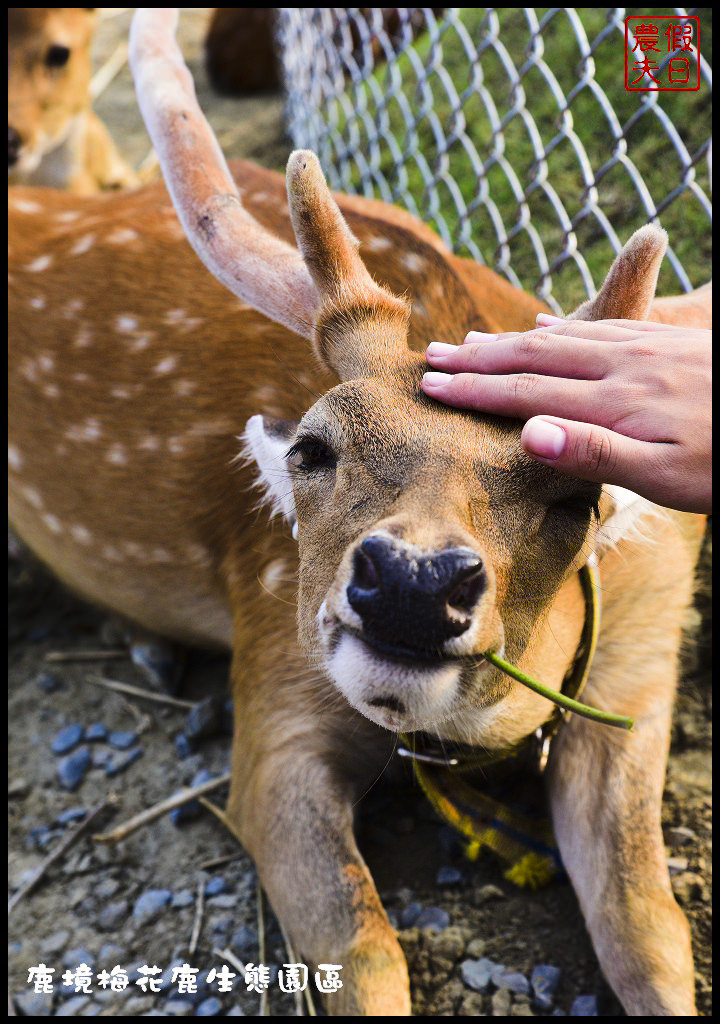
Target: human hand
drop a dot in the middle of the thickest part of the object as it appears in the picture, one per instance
(615, 401)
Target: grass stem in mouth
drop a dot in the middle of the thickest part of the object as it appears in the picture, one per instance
(567, 703)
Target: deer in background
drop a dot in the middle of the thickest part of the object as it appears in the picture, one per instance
(425, 535)
(54, 138)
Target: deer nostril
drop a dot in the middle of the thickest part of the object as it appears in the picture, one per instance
(465, 594)
(365, 574)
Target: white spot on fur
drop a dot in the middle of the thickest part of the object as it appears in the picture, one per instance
(41, 263)
(183, 388)
(51, 391)
(90, 430)
(66, 216)
(414, 263)
(418, 308)
(121, 236)
(80, 378)
(126, 324)
(174, 316)
(25, 205)
(191, 324)
(141, 343)
(274, 574)
(120, 393)
(28, 369)
(197, 554)
(15, 459)
(116, 455)
(72, 308)
(259, 197)
(83, 338)
(83, 245)
(81, 534)
(377, 244)
(33, 496)
(38, 302)
(46, 362)
(133, 549)
(160, 555)
(166, 365)
(150, 443)
(52, 522)
(175, 445)
(111, 553)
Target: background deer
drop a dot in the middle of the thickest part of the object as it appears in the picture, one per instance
(426, 536)
(54, 138)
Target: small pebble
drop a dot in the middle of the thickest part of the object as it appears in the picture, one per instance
(67, 738)
(476, 948)
(75, 957)
(410, 914)
(225, 901)
(48, 683)
(183, 746)
(476, 973)
(122, 740)
(487, 893)
(54, 943)
(448, 876)
(584, 1006)
(96, 733)
(122, 761)
(72, 1007)
(150, 905)
(433, 917)
(680, 835)
(513, 981)
(71, 815)
(215, 885)
(71, 770)
(101, 757)
(113, 916)
(106, 888)
(544, 981)
(676, 865)
(33, 1004)
(178, 1008)
(18, 788)
(209, 1007)
(244, 939)
(184, 898)
(237, 1011)
(205, 719)
(501, 1001)
(186, 812)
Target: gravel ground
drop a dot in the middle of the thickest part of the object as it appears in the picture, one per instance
(474, 944)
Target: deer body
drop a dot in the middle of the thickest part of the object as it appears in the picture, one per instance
(54, 137)
(426, 536)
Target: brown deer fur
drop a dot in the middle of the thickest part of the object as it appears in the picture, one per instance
(126, 407)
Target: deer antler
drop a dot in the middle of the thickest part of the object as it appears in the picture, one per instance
(328, 286)
(247, 259)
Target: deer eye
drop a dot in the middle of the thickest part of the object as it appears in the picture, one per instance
(581, 506)
(310, 454)
(57, 56)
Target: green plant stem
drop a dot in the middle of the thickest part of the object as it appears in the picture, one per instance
(605, 717)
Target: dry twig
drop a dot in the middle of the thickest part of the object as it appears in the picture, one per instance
(57, 657)
(135, 691)
(157, 810)
(63, 846)
(197, 921)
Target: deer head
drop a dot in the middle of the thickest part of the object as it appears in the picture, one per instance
(49, 71)
(426, 535)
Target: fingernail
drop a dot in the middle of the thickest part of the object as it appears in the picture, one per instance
(474, 337)
(436, 380)
(439, 348)
(546, 319)
(544, 438)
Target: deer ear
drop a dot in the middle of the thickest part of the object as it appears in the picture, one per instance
(266, 442)
(629, 288)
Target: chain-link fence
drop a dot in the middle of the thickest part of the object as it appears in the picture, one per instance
(510, 131)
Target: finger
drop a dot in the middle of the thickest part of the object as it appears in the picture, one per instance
(521, 395)
(593, 452)
(590, 330)
(536, 351)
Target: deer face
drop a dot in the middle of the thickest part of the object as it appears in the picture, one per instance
(49, 70)
(427, 537)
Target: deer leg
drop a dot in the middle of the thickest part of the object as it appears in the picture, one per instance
(291, 803)
(606, 790)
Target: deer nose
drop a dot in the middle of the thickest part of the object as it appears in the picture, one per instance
(14, 144)
(414, 602)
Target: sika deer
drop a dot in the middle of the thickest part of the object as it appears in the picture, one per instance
(426, 536)
(54, 138)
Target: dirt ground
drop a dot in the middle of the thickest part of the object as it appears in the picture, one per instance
(99, 903)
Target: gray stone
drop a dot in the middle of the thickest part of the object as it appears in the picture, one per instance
(122, 740)
(433, 917)
(206, 718)
(477, 973)
(184, 898)
(211, 1007)
(122, 761)
(513, 981)
(501, 1001)
(55, 942)
(488, 893)
(74, 957)
(107, 888)
(95, 733)
(215, 885)
(34, 1004)
(71, 770)
(680, 835)
(113, 916)
(448, 876)
(410, 914)
(544, 981)
(476, 948)
(178, 1008)
(71, 815)
(584, 1006)
(225, 901)
(150, 905)
(137, 1005)
(72, 1007)
(67, 738)
(244, 939)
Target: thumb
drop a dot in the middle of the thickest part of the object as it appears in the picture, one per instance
(590, 452)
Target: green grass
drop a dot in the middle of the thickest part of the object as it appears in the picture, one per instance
(431, 104)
